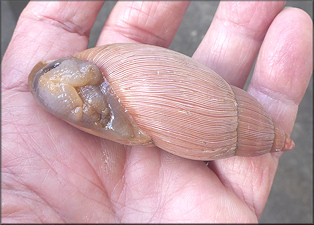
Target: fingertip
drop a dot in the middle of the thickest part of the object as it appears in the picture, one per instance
(285, 60)
(297, 13)
(284, 66)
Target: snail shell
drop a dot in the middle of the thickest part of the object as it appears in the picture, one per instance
(138, 94)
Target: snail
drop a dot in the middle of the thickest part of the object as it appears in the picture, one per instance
(137, 94)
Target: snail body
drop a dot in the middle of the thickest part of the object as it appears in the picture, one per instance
(138, 94)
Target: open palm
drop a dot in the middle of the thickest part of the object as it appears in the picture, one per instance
(52, 172)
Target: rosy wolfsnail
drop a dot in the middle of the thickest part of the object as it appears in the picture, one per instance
(138, 94)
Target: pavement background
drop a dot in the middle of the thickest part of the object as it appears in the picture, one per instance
(291, 197)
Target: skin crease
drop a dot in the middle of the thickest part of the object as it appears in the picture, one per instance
(48, 176)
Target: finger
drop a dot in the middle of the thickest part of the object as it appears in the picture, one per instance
(282, 73)
(231, 44)
(46, 30)
(148, 22)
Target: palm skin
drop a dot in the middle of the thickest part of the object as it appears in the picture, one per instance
(52, 172)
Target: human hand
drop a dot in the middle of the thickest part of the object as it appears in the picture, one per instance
(52, 172)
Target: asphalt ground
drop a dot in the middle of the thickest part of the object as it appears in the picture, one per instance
(291, 196)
